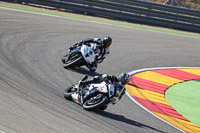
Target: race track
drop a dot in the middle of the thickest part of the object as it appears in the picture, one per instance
(32, 79)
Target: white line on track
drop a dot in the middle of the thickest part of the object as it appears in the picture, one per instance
(147, 69)
(97, 22)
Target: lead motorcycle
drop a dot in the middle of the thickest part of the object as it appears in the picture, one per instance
(80, 56)
(92, 96)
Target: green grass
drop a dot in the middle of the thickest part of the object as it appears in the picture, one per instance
(185, 99)
(96, 19)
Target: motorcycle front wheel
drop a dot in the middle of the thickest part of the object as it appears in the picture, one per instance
(68, 92)
(73, 61)
(95, 102)
(64, 58)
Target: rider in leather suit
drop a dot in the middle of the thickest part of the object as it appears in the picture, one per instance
(118, 82)
(102, 45)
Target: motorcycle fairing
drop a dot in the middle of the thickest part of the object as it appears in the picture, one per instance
(88, 53)
(111, 90)
(104, 88)
(77, 49)
(76, 97)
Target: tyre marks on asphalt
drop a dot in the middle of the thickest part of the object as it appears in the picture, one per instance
(148, 88)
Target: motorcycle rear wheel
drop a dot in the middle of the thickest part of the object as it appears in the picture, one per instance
(95, 103)
(68, 92)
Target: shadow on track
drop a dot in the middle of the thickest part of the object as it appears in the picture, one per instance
(84, 71)
(125, 120)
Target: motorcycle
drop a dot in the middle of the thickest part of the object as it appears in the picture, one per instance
(81, 55)
(92, 96)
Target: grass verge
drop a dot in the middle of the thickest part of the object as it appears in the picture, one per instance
(185, 99)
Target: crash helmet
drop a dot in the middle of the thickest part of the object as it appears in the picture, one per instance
(124, 78)
(107, 41)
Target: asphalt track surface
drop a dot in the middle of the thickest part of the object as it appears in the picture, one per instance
(32, 79)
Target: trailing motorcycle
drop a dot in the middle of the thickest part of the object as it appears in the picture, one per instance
(80, 56)
(92, 96)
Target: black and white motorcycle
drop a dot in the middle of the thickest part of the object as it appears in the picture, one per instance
(92, 96)
(81, 55)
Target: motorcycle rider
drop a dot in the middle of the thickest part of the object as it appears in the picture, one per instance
(102, 48)
(118, 82)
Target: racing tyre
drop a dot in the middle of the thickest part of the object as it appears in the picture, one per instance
(103, 107)
(68, 92)
(95, 103)
(74, 61)
(64, 58)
